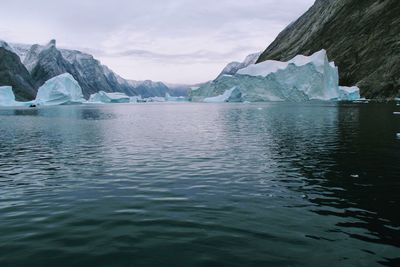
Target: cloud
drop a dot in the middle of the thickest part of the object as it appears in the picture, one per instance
(200, 56)
(193, 39)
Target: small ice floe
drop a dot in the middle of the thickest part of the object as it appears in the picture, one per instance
(355, 176)
(260, 108)
(398, 136)
(396, 113)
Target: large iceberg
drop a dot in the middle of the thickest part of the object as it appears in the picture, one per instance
(103, 97)
(60, 90)
(300, 79)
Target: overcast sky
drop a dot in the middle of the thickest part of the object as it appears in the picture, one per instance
(179, 41)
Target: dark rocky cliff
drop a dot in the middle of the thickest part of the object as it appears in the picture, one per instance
(13, 73)
(362, 37)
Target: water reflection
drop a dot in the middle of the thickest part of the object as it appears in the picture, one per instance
(336, 152)
(229, 185)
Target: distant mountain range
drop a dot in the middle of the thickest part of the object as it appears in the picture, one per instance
(27, 67)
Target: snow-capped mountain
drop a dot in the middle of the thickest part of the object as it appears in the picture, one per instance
(233, 67)
(13, 73)
(46, 62)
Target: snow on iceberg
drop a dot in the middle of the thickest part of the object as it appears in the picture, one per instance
(300, 79)
(60, 90)
(314, 75)
(103, 97)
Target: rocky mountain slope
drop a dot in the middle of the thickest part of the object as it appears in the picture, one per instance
(233, 67)
(13, 73)
(46, 62)
(362, 37)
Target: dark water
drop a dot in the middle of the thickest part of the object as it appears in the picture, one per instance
(200, 185)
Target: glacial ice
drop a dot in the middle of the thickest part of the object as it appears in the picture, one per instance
(136, 99)
(300, 79)
(60, 90)
(7, 97)
(170, 98)
(231, 95)
(103, 97)
(349, 93)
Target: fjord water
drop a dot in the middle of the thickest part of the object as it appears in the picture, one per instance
(274, 184)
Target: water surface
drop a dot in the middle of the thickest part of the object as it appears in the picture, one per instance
(269, 184)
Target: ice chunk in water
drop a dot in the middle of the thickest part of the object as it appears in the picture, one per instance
(231, 95)
(103, 97)
(60, 90)
(7, 97)
(349, 93)
(301, 79)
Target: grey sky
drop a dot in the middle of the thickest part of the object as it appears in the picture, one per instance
(180, 41)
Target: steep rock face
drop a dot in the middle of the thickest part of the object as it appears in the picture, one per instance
(362, 37)
(13, 73)
(46, 62)
(90, 74)
(149, 88)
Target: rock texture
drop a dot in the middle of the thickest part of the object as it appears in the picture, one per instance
(362, 37)
(233, 67)
(46, 62)
(13, 73)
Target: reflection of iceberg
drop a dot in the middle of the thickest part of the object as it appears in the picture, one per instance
(300, 79)
(60, 90)
(103, 97)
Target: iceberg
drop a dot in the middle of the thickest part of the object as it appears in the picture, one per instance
(136, 99)
(231, 95)
(170, 98)
(300, 79)
(103, 97)
(7, 97)
(60, 90)
(349, 93)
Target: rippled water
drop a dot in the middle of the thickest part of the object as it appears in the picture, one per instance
(200, 185)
